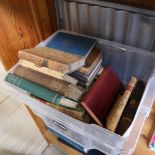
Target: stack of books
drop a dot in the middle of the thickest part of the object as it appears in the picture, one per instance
(48, 72)
(67, 75)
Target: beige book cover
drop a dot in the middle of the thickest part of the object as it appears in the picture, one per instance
(51, 58)
(48, 71)
(119, 106)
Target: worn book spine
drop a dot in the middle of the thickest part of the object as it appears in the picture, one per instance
(40, 91)
(78, 113)
(91, 61)
(131, 108)
(43, 62)
(118, 108)
(64, 88)
(48, 71)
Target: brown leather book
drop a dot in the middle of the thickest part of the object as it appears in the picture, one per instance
(64, 88)
(47, 57)
(118, 108)
(131, 108)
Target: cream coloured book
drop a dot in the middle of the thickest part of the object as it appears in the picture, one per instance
(48, 71)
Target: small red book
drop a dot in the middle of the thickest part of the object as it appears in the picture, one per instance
(101, 96)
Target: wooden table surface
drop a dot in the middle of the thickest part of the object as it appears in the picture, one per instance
(141, 148)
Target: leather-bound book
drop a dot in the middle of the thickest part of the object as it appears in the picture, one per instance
(119, 106)
(131, 108)
(64, 88)
(40, 91)
(48, 71)
(101, 96)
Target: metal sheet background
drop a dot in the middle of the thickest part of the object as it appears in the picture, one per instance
(117, 25)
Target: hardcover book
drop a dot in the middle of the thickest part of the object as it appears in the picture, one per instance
(131, 108)
(72, 43)
(78, 113)
(118, 108)
(64, 88)
(86, 84)
(64, 52)
(40, 91)
(48, 71)
(101, 96)
(91, 61)
(87, 78)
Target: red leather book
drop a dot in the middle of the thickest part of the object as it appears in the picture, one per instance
(101, 96)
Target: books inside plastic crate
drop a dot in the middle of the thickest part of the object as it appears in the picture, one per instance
(126, 62)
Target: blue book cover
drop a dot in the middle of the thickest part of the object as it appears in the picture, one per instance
(74, 44)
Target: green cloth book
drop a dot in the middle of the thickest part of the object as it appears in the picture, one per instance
(40, 91)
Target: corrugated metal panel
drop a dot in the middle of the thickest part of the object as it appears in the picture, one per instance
(121, 26)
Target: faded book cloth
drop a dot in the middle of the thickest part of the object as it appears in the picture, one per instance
(65, 88)
(119, 106)
(48, 71)
(40, 91)
(19, 135)
(66, 53)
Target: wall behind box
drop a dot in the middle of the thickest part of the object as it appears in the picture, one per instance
(24, 24)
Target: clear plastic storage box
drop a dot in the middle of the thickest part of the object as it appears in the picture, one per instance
(126, 61)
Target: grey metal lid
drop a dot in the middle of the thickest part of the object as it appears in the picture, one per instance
(124, 24)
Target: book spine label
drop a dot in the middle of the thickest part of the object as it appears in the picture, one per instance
(43, 62)
(118, 108)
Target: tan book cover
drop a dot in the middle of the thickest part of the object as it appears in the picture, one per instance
(119, 106)
(48, 71)
(51, 58)
(63, 87)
